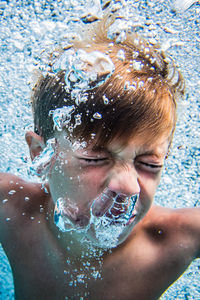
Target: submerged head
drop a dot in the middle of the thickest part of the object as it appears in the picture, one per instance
(111, 108)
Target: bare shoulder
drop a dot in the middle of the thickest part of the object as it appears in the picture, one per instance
(176, 226)
(17, 198)
(15, 189)
(7, 181)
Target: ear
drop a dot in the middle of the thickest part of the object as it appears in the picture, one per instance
(35, 143)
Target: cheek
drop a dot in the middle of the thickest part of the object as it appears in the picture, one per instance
(148, 186)
(94, 177)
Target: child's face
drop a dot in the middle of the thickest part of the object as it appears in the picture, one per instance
(88, 180)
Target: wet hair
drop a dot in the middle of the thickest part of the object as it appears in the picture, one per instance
(142, 93)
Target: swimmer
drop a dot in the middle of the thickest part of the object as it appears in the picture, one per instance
(104, 118)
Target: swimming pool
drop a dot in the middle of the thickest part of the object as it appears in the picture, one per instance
(28, 27)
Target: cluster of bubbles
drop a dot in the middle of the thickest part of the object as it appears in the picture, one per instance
(83, 71)
(41, 164)
(107, 228)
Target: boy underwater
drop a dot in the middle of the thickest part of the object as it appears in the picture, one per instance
(104, 117)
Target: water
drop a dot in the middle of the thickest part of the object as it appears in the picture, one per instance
(108, 228)
(27, 28)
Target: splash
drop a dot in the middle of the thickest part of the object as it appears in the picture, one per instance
(112, 225)
(62, 213)
(106, 229)
(93, 12)
(181, 6)
(41, 164)
(62, 116)
(84, 71)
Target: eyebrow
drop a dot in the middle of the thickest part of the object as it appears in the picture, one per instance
(151, 153)
(99, 149)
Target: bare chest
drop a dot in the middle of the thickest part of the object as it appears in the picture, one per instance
(42, 270)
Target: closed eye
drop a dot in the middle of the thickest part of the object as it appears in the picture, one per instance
(93, 161)
(154, 168)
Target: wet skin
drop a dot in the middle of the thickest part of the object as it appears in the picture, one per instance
(156, 252)
(81, 176)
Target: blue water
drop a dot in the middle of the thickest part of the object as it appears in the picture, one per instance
(28, 27)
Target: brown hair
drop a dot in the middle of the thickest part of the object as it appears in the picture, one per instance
(142, 100)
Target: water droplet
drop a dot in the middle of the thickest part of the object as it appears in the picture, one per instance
(121, 55)
(4, 201)
(126, 85)
(137, 65)
(11, 192)
(141, 84)
(93, 135)
(105, 100)
(97, 116)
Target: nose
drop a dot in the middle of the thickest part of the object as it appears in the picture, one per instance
(124, 180)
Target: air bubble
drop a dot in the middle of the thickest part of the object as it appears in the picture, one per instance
(77, 120)
(93, 12)
(140, 84)
(97, 116)
(137, 65)
(11, 192)
(62, 116)
(105, 100)
(84, 71)
(40, 165)
(121, 55)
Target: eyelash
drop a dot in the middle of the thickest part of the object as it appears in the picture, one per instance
(99, 161)
(93, 160)
(152, 167)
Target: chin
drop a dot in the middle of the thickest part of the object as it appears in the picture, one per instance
(108, 236)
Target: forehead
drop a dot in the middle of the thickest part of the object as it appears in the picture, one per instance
(139, 145)
(135, 145)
